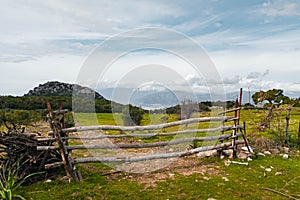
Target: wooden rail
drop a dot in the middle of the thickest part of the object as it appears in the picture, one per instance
(145, 128)
(146, 135)
(143, 145)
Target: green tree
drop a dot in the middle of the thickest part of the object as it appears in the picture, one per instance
(132, 115)
(271, 98)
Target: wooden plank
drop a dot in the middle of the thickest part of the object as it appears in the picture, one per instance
(155, 156)
(228, 111)
(220, 128)
(145, 128)
(143, 145)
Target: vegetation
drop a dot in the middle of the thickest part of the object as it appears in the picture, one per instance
(39, 103)
(272, 97)
(15, 121)
(217, 181)
(10, 180)
(132, 116)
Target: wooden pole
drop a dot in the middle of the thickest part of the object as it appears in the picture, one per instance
(155, 156)
(299, 134)
(147, 157)
(62, 149)
(287, 135)
(142, 145)
(145, 128)
(101, 135)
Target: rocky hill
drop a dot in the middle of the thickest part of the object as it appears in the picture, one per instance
(55, 88)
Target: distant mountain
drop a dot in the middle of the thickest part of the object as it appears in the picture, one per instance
(55, 88)
(152, 99)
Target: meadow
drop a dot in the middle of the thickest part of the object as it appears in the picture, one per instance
(191, 177)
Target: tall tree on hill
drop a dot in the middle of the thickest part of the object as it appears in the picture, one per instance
(272, 98)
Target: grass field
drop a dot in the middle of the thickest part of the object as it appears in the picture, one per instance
(190, 178)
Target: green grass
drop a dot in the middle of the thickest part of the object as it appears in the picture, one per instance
(244, 182)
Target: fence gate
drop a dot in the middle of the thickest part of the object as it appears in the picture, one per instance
(60, 136)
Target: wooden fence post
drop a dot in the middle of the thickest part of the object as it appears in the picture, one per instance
(299, 134)
(62, 148)
(287, 135)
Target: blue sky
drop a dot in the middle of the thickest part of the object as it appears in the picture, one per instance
(253, 44)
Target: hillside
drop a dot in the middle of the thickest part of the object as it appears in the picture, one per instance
(55, 88)
(59, 93)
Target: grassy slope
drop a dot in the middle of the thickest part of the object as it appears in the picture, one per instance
(245, 182)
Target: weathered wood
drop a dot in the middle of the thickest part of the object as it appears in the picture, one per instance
(155, 156)
(53, 165)
(220, 128)
(143, 145)
(60, 111)
(144, 128)
(287, 118)
(299, 134)
(61, 147)
(280, 193)
(228, 111)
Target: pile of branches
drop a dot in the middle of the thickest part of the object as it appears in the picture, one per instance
(22, 148)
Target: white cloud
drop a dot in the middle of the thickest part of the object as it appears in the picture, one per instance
(39, 35)
(279, 8)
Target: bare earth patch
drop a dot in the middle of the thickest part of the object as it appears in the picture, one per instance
(181, 166)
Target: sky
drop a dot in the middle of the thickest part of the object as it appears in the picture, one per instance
(251, 44)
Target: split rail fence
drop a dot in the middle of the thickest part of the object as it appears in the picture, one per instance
(60, 139)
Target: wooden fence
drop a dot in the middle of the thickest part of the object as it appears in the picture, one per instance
(60, 139)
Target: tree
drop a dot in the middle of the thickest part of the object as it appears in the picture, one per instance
(132, 115)
(271, 98)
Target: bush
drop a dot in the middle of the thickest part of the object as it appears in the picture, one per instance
(132, 115)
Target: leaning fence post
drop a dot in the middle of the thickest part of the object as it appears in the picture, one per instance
(62, 148)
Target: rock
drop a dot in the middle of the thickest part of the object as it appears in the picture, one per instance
(206, 154)
(286, 149)
(246, 149)
(48, 181)
(267, 153)
(242, 155)
(285, 156)
(268, 169)
(227, 163)
(278, 173)
(228, 153)
(225, 179)
(261, 154)
(274, 151)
